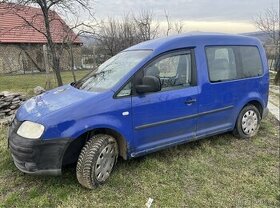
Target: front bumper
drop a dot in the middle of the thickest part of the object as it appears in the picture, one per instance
(36, 156)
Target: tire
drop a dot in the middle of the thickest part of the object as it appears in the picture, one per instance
(248, 122)
(96, 160)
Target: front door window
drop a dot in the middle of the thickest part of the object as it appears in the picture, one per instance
(174, 70)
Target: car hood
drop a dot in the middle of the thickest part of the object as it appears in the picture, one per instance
(51, 101)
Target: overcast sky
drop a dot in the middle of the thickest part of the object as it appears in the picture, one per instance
(232, 16)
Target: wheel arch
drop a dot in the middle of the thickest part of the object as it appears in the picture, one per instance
(73, 150)
(238, 131)
(255, 101)
(122, 142)
(257, 104)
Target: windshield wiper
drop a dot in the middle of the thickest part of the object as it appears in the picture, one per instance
(80, 84)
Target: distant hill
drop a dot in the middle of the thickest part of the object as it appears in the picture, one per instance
(262, 36)
(88, 40)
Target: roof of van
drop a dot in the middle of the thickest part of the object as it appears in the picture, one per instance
(195, 39)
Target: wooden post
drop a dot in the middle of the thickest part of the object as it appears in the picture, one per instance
(47, 68)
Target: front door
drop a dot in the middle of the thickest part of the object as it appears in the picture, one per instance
(167, 117)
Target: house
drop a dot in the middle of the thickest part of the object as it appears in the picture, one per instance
(22, 40)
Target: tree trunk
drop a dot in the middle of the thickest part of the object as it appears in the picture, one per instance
(51, 44)
(277, 68)
(72, 64)
(47, 68)
(56, 69)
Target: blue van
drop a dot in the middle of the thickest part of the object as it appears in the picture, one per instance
(151, 96)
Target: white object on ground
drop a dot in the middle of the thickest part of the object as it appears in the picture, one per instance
(149, 202)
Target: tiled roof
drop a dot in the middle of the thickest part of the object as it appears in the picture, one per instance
(15, 28)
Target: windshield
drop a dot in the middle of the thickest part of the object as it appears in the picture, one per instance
(112, 70)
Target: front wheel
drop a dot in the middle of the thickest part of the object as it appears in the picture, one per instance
(248, 122)
(96, 160)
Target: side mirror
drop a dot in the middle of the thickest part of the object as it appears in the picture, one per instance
(149, 84)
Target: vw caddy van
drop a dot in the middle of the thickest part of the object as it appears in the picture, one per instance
(151, 96)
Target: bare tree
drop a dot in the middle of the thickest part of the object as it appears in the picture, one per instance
(146, 27)
(48, 14)
(169, 25)
(107, 37)
(115, 35)
(173, 26)
(268, 22)
(178, 26)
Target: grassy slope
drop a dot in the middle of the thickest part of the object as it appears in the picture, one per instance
(220, 171)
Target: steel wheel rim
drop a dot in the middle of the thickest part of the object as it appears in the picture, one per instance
(249, 122)
(105, 162)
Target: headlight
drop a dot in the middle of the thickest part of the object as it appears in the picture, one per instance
(30, 130)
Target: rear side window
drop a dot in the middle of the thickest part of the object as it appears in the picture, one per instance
(250, 61)
(221, 63)
(233, 62)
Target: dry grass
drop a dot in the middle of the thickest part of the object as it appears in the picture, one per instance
(220, 171)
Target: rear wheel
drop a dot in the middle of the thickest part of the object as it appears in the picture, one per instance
(248, 122)
(96, 160)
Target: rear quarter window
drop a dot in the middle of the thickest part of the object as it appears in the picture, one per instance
(250, 61)
(233, 62)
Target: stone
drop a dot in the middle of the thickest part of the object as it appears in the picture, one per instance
(5, 110)
(15, 94)
(39, 90)
(22, 97)
(8, 98)
(9, 103)
(15, 102)
(12, 107)
(11, 112)
(16, 99)
(2, 105)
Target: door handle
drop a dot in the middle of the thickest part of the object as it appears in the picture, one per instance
(190, 101)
